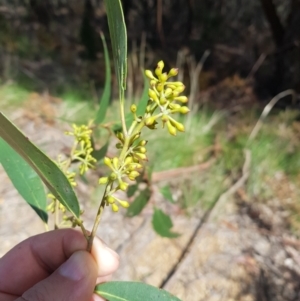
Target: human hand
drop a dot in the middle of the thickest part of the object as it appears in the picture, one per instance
(54, 266)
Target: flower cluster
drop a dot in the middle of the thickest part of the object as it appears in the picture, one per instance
(164, 95)
(122, 171)
(82, 147)
(81, 152)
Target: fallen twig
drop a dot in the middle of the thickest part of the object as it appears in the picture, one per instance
(220, 203)
(180, 172)
(267, 110)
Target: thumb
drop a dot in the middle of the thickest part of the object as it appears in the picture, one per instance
(74, 280)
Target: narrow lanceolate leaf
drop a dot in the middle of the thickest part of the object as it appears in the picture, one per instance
(132, 291)
(118, 34)
(25, 179)
(48, 171)
(162, 224)
(139, 203)
(144, 99)
(104, 102)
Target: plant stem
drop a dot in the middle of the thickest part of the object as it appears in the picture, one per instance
(124, 149)
(97, 220)
(122, 111)
(134, 123)
(85, 233)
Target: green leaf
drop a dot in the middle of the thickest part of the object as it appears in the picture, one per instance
(144, 99)
(104, 102)
(100, 153)
(132, 189)
(132, 291)
(166, 192)
(139, 203)
(162, 224)
(117, 30)
(25, 180)
(48, 171)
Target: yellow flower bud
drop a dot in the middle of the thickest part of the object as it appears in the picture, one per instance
(174, 106)
(149, 121)
(128, 160)
(168, 92)
(107, 161)
(142, 143)
(103, 180)
(177, 84)
(113, 176)
(149, 74)
(148, 109)
(124, 204)
(153, 82)
(135, 137)
(163, 77)
(141, 156)
(133, 108)
(129, 169)
(159, 87)
(162, 100)
(180, 89)
(134, 166)
(115, 162)
(152, 95)
(161, 64)
(184, 110)
(110, 199)
(119, 145)
(123, 186)
(171, 128)
(114, 207)
(179, 126)
(173, 72)
(141, 149)
(173, 87)
(159, 68)
(133, 174)
(138, 166)
(182, 99)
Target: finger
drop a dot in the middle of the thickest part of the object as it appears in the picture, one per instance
(103, 279)
(106, 258)
(36, 258)
(7, 297)
(74, 281)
